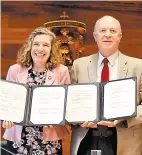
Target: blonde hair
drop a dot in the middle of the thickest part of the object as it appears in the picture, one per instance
(24, 54)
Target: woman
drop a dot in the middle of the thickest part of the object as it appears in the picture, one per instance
(38, 63)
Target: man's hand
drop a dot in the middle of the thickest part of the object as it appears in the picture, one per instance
(89, 125)
(110, 123)
(7, 124)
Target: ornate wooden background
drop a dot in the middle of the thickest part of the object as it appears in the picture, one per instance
(20, 18)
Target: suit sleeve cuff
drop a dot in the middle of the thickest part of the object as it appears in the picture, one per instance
(123, 124)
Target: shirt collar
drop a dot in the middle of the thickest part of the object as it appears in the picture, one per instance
(111, 58)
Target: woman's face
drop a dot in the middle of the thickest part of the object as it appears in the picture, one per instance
(41, 49)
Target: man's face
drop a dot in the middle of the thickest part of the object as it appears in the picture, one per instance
(107, 34)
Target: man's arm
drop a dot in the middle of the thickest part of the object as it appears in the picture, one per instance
(73, 73)
(138, 118)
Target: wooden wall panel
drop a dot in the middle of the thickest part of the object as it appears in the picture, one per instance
(4, 19)
(20, 18)
(15, 35)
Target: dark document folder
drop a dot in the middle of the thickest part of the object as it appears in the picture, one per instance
(94, 102)
(32, 105)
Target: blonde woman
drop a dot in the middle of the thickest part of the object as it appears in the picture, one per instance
(38, 63)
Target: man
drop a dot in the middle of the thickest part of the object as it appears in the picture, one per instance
(119, 137)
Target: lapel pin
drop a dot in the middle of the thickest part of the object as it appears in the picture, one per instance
(49, 77)
(124, 69)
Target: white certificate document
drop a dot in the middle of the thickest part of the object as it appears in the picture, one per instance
(48, 105)
(119, 98)
(81, 103)
(12, 101)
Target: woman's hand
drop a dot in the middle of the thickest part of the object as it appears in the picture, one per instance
(49, 126)
(88, 125)
(7, 124)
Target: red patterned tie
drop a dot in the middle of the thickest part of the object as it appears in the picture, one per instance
(105, 71)
(104, 78)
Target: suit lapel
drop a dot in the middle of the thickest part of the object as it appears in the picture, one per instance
(123, 66)
(23, 75)
(50, 78)
(92, 68)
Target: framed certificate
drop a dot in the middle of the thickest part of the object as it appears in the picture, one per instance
(32, 105)
(101, 101)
